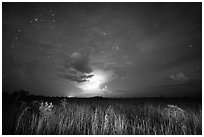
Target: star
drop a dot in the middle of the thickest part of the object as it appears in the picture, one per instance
(115, 49)
(36, 19)
(104, 33)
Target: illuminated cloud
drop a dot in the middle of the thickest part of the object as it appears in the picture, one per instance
(76, 77)
(93, 84)
(179, 77)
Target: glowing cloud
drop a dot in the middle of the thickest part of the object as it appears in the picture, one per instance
(92, 85)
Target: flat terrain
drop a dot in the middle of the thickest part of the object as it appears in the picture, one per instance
(46, 115)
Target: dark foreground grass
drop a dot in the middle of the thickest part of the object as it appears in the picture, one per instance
(103, 116)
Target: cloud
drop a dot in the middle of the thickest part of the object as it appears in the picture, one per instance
(80, 62)
(78, 68)
(75, 76)
(179, 77)
(99, 78)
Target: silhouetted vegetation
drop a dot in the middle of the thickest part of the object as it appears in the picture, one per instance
(29, 114)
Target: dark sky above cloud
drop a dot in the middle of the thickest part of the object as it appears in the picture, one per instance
(109, 49)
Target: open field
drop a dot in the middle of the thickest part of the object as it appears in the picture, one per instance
(102, 116)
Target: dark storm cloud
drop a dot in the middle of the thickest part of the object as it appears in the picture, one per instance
(73, 78)
(77, 68)
(76, 76)
(80, 62)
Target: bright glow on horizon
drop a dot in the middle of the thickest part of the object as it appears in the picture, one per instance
(93, 84)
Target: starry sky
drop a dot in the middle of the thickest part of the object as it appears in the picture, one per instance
(106, 49)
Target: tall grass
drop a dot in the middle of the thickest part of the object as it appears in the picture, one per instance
(101, 118)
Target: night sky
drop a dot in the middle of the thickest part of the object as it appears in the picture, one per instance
(102, 49)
